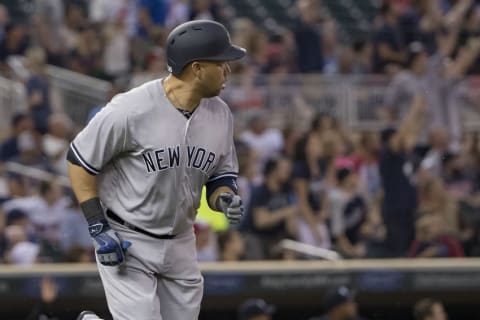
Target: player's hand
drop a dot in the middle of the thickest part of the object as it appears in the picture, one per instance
(110, 249)
(231, 205)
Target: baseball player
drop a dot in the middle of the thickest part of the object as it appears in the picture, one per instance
(138, 169)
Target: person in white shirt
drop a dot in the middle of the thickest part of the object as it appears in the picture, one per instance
(266, 142)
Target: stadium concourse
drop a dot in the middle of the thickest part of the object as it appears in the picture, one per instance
(356, 126)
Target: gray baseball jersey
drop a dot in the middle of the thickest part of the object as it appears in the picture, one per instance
(152, 161)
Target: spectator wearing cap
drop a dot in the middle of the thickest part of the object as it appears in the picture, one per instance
(429, 309)
(255, 309)
(339, 304)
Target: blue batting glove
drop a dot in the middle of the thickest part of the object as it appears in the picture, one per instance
(110, 249)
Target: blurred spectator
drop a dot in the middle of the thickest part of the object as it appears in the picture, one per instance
(339, 304)
(457, 180)
(38, 88)
(204, 10)
(73, 230)
(3, 239)
(15, 42)
(434, 200)
(31, 154)
(437, 149)
(48, 22)
(255, 309)
(417, 78)
(20, 250)
(246, 35)
(231, 245)
(308, 37)
(100, 11)
(178, 13)
(273, 209)
(75, 22)
(78, 254)
(4, 20)
(362, 58)
(310, 190)
(397, 173)
(432, 240)
(367, 154)
(45, 211)
(266, 142)
(45, 308)
(55, 142)
(389, 44)
(156, 68)
(85, 57)
(348, 213)
(17, 217)
(205, 241)
(21, 123)
(331, 48)
(429, 309)
(116, 47)
(151, 16)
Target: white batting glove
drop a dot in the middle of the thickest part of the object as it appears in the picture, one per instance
(231, 205)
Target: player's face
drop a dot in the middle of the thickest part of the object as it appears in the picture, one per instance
(215, 75)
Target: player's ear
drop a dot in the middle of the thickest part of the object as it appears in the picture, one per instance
(197, 69)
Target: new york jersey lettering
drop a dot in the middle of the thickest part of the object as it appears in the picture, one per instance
(170, 157)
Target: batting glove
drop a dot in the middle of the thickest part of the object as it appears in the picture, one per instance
(110, 249)
(231, 205)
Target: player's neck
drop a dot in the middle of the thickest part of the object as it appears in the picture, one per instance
(181, 94)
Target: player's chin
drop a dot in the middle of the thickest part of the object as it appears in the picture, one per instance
(213, 93)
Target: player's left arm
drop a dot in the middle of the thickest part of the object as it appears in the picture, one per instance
(222, 190)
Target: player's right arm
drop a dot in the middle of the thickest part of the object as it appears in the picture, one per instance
(100, 141)
(84, 184)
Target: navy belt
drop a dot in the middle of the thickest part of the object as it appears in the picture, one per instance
(112, 215)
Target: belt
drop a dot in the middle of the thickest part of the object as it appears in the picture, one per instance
(112, 215)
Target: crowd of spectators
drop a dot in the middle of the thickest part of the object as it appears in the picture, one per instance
(410, 189)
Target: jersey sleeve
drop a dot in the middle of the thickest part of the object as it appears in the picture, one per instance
(227, 167)
(103, 138)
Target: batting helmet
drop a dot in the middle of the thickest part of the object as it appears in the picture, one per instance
(199, 40)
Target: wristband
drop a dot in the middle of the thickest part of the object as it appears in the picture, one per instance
(93, 210)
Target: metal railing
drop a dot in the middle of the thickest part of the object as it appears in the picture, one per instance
(76, 94)
(288, 98)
